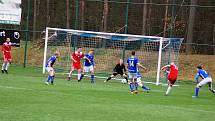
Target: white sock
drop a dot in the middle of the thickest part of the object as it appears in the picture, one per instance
(79, 76)
(7, 65)
(168, 90)
(70, 73)
(3, 66)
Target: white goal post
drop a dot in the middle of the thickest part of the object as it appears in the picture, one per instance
(151, 46)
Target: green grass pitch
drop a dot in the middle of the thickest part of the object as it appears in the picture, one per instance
(25, 97)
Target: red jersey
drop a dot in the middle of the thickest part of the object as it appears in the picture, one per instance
(173, 72)
(6, 47)
(77, 56)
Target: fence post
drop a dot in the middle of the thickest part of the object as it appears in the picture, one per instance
(26, 34)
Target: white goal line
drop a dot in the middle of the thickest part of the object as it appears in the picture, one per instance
(102, 77)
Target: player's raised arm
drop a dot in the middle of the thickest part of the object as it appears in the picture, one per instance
(141, 66)
(197, 78)
(164, 67)
(85, 57)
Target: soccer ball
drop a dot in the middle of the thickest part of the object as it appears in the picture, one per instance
(123, 81)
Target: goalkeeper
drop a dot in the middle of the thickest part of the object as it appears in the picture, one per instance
(118, 69)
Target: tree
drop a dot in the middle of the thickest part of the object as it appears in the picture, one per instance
(144, 17)
(165, 19)
(214, 38)
(47, 10)
(67, 14)
(191, 21)
(149, 19)
(35, 19)
(104, 17)
(82, 14)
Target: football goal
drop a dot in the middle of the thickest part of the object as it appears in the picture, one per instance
(153, 52)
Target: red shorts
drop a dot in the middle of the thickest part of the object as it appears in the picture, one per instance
(172, 80)
(76, 66)
(7, 57)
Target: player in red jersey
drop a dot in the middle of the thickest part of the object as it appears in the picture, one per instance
(76, 62)
(172, 75)
(6, 49)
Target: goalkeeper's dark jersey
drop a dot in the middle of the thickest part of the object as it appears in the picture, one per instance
(119, 68)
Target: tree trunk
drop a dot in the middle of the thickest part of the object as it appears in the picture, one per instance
(191, 22)
(82, 14)
(165, 19)
(104, 18)
(144, 17)
(35, 20)
(214, 39)
(67, 14)
(149, 19)
(47, 12)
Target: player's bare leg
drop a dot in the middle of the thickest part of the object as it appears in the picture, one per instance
(70, 74)
(79, 75)
(142, 85)
(168, 89)
(7, 66)
(3, 67)
(51, 76)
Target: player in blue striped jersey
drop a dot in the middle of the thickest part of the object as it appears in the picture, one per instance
(50, 69)
(133, 65)
(206, 79)
(89, 65)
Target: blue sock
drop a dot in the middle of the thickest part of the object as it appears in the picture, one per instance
(49, 78)
(92, 78)
(131, 87)
(145, 87)
(52, 79)
(82, 76)
(136, 86)
(197, 91)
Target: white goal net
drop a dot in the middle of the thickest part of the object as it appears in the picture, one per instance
(153, 52)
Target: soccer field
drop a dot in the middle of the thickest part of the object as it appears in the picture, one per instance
(25, 97)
